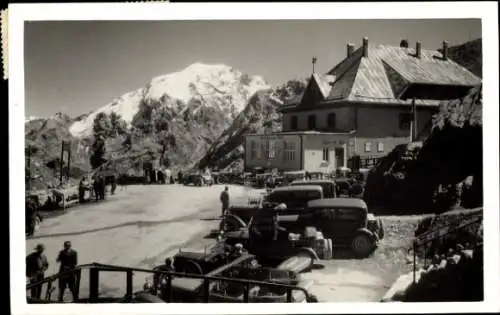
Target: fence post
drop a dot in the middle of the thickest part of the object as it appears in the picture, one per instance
(48, 291)
(130, 282)
(246, 293)
(94, 284)
(414, 261)
(206, 290)
(289, 295)
(78, 275)
(168, 298)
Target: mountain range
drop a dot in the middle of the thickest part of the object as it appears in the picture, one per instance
(195, 117)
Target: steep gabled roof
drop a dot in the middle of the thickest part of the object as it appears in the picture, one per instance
(387, 72)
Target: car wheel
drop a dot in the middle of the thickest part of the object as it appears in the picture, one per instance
(362, 245)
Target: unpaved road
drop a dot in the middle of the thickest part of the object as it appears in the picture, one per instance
(141, 225)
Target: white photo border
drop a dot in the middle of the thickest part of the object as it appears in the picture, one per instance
(487, 11)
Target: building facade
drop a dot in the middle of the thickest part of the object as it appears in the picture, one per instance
(377, 98)
(292, 151)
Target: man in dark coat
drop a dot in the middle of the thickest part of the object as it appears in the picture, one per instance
(36, 265)
(96, 184)
(224, 199)
(68, 259)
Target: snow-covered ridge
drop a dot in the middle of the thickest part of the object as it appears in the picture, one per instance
(219, 86)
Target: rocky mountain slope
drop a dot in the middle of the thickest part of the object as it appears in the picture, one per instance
(439, 173)
(174, 119)
(260, 113)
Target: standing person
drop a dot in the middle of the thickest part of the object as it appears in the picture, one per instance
(224, 199)
(102, 187)
(68, 259)
(96, 185)
(84, 184)
(112, 179)
(36, 265)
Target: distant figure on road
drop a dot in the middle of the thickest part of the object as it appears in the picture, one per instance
(224, 199)
(36, 265)
(69, 260)
(179, 177)
(83, 186)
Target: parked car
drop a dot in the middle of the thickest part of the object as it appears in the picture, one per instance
(187, 289)
(346, 221)
(198, 179)
(297, 196)
(329, 187)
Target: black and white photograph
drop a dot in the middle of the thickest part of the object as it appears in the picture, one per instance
(287, 160)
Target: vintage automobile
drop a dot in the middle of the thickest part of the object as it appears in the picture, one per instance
(294, 196)
(202, 262)
(260, 179)
(241, 267)
(294, 175)
(329, 187)
(238, 216)
(345, 221)
(343, 186)
(198, 179)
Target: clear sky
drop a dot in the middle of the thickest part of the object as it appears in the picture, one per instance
(79, 66)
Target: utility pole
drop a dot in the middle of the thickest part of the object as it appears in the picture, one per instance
(69, 160)
(61, 164)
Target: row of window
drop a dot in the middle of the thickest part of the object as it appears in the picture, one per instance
(404, 121)
(269, 150)
(289, 151)
(311, 122)
(368, 146)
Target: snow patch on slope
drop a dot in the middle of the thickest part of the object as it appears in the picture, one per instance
(126, 106)
(219, 86)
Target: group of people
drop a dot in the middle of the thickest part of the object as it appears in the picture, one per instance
(37, 264)
(98, 187)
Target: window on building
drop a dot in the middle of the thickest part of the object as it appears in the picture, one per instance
(380, 147)
(294, 123)
(272, 149)
(368, 146)
(253, 150)
(289, 154)
(332, 121)
(404, 121)
(311, 122)
(326, 154)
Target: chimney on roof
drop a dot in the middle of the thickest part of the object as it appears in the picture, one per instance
(404, 43)
(350, 50)
(365, 46)
(445, 50)
(418, 50)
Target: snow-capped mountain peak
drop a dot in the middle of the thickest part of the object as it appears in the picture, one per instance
(210, 85)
